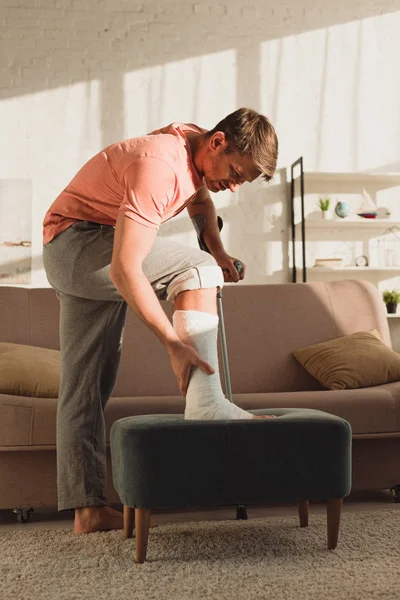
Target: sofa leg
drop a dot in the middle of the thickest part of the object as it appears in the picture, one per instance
(241, 512)
(23, 514)
(333, 512)
(142, 523)
(395, 491)
(129, 521)
(303, 512)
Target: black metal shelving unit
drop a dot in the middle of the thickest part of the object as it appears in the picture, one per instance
(298, 162)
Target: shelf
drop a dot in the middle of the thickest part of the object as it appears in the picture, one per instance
(395, 316)
(393, 178)
(353, 226)
(348, 223)
(346, 269)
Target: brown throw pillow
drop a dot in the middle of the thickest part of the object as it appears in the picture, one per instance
(29, 371)
(353, 361)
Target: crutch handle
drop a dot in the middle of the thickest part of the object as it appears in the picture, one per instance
(238, 266)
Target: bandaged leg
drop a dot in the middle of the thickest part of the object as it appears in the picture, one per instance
(205, 398)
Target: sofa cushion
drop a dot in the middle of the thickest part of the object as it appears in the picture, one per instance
(32, 421)
(358, 360)
(370, 411)
(29, 370)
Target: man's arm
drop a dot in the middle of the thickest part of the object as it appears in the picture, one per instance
(132, 243)
(203, 205)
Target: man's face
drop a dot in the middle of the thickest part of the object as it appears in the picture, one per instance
(226, 171)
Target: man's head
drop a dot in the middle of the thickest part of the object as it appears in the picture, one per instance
(241, 147)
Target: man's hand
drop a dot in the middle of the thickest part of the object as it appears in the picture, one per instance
(227, 265)
(183, 357)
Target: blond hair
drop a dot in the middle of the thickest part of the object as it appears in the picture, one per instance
(250, 133)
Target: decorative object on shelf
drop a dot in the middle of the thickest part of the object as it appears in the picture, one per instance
(368, 208)
(330, 263)
(361, 261)
(391, 299)
(342, 209)
(388, 245)
(324, 204)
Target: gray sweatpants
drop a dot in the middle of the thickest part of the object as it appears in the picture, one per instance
(92, 317)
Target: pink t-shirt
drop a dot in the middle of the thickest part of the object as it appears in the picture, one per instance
(149, 178)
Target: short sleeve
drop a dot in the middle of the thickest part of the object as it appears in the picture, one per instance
(149, 187)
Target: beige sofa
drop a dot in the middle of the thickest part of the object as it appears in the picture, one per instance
(264, 325)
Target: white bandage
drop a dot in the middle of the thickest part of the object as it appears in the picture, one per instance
(195, 278)
(205, 398)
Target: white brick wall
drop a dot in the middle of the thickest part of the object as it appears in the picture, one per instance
(76, 75)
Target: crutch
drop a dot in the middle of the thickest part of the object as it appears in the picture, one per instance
(199, 222)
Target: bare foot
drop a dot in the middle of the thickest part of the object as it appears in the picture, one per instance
(264, 416)
(99, 518)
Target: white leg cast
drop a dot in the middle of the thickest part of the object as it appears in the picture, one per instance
(205, 398)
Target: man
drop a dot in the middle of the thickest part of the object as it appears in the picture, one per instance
(101, 254)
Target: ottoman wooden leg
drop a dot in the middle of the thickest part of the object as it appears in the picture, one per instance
(333, 512)
(142, 523)
(129, 521)
(303, 512)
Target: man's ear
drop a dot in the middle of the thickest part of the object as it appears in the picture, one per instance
(217, 140)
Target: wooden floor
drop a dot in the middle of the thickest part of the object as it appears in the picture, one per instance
(51, 519)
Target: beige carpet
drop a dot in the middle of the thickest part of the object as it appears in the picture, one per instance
(244, 560)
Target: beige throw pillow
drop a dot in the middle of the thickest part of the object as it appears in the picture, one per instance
(29, 371)
(353, 361)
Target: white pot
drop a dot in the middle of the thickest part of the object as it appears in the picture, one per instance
(327, 215)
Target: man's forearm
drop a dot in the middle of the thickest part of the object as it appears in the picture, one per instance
(136, 290)
(211, 233)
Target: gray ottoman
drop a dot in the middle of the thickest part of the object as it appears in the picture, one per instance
(163, 462)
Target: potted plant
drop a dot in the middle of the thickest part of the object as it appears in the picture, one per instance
(391, 299)
(324, 203)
